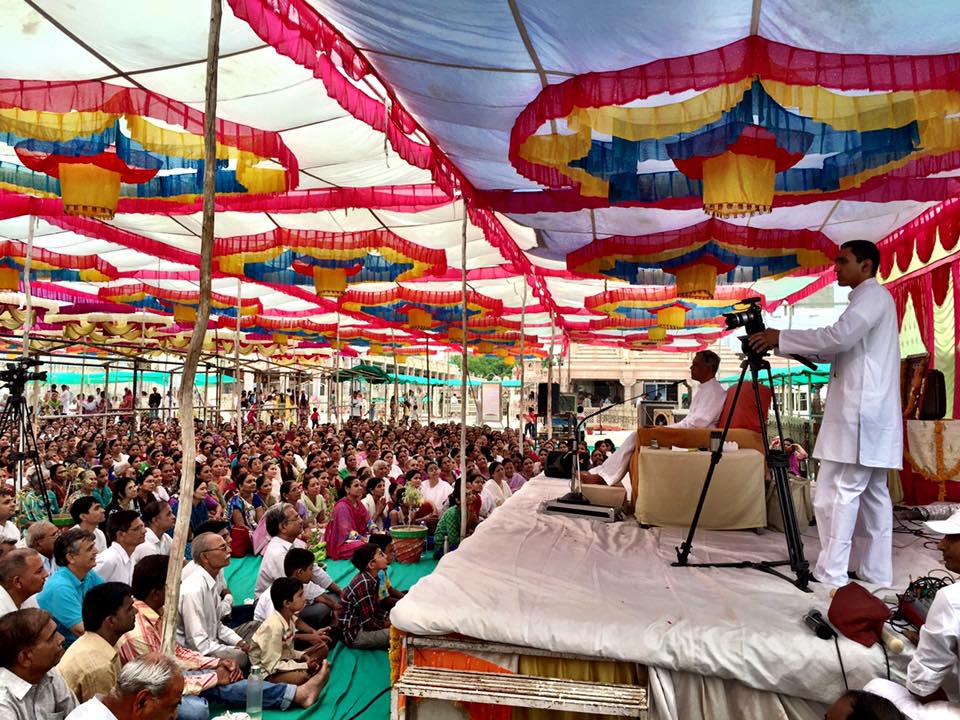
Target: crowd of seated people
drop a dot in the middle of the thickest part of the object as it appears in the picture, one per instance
(81, 601)
(82, 597)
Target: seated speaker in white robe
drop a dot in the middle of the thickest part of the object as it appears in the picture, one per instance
(705, 409)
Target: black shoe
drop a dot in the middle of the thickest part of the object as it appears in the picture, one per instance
(852, 575)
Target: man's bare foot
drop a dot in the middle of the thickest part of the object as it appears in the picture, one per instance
(308, 693)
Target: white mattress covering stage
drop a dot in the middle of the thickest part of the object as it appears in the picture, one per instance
(608, 590)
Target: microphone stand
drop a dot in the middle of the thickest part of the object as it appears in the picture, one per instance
(576, 496)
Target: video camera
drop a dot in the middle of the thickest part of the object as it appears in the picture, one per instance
(17, 375)
(751, 320)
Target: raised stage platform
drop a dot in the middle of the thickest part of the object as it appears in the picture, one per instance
(717, 642)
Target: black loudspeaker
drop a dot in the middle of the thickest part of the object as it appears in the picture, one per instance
(657, 413)
(560, 464)
(542, 399)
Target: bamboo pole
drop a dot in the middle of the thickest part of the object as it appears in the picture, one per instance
(429, 409)
(237, 385)
(336, 375)
(28, 302)
(27, 325)
(523, 364)
(463, 377)
(550, 382)
(187, 436)
(396, 382)
(106, 394)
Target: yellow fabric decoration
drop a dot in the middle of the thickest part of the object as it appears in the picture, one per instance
(418, 318)
(330, 282)
(735, 185)
(9, 279)
(657, 334)
(88, 190)
(645, 123)
(672, 317)
(509, 361)
(54, 126)
(281, 339)
(697, 281)
(184, 314)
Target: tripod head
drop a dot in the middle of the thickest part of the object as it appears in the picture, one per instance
(751, 320)
(17, 375)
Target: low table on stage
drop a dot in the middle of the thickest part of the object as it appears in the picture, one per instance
(669, 484)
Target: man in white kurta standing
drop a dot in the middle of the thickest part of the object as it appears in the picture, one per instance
(861, 435)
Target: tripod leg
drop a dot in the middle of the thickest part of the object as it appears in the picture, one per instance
(683, 552)
(32, 451)
(777, 461)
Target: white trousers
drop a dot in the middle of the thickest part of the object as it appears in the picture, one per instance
(855, 524)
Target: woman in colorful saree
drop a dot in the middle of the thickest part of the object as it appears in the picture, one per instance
(349, 525)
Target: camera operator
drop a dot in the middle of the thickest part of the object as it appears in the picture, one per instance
(861, 434)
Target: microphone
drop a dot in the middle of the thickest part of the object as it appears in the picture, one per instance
(821, 628)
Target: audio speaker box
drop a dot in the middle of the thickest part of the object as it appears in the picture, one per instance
(542, 399)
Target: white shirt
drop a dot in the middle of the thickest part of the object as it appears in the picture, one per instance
(48, 699)
(8, 606)
(909, 705)
(152, 545)
(371, 505)
(487, 504)
(437, 495)
(936, 662)
(199, 626)
(10, 531)
(115, 565)
(92, 709)
(862, 422)
(705, 407)
(226, 599)
(498, 492)
(271, 567)
(99, 539)
(264, 608)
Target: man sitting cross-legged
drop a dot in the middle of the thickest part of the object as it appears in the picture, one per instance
(90, 666)
(206, 678)
(88, 514)
(284, 526)
(200, 627)
(298, 564)
(62, 594)
(126, 530)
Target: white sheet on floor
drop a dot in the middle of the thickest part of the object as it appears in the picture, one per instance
(609, 591)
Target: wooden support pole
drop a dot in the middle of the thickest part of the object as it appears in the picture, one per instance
(237, 383)
(463, 376)
(429, 409)
(550, 382)
(188, 441)
(523, 364)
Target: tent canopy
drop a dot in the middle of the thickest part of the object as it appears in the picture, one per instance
(797, 375)
(614, 171)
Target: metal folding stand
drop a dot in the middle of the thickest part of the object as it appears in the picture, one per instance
(15, 422)
(778, 464)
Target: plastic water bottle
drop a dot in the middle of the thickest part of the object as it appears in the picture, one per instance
(255, 693)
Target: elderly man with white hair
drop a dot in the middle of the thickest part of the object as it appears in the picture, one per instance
(41, 537)
(149, 688)
(199, 626)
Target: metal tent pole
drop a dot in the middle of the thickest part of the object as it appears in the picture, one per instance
(237, 384)
(429, 397)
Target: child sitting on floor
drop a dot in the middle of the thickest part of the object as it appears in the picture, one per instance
(272, 644)
(363, 621)
(389, 595)
(319, 605)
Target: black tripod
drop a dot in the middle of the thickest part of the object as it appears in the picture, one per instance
(778, 464)
(15, 423)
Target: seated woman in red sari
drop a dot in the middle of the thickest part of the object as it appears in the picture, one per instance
(349, 525)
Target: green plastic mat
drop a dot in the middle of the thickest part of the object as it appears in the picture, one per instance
(356, 676)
